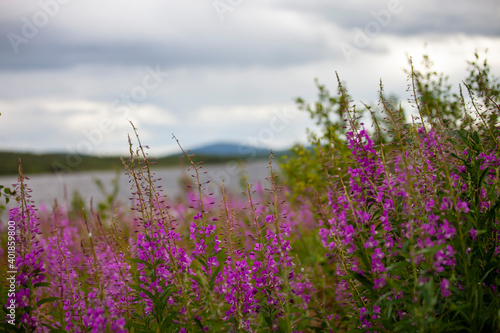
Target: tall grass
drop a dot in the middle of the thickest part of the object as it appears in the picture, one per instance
(394, 228)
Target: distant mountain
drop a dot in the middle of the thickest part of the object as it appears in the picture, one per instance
(230, 149)
(60, 162)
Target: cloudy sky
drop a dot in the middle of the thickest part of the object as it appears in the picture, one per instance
(74, 72)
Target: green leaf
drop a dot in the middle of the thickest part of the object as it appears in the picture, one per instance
(47, 300)
(461, 159)
(141, 328)
(147, 263)
(214, 275)
(198, 280)
(361, 278)
(428, 293)
(167, 291)
(53, 329)
(481, 178)
(432, 249)
(147, 292)
(167, 322)
(198, 322)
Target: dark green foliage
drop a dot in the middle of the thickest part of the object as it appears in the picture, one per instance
(7, 195)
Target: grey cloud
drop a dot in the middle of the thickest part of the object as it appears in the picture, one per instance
(265, 52)
(235, 52)
(239, 44)
(446, 16)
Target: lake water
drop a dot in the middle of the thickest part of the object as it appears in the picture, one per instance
(49, 187)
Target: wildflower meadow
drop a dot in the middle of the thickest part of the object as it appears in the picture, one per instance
(388, 222)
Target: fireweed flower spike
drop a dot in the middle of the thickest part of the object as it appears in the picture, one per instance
(387, 228)
(29, 262)
(377, 207)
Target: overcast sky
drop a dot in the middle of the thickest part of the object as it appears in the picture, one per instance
(74, 72)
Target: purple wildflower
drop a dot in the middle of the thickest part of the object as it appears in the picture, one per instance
(445, 285)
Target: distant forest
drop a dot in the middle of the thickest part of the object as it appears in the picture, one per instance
(50, 163)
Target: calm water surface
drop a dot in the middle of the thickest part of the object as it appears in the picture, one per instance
(50, 187)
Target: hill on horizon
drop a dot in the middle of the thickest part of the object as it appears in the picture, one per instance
(224, 149)
(56, 162)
